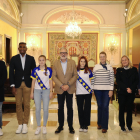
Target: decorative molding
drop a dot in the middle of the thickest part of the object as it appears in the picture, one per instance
(130, 9)
(77, 8)
(70, 0)
(10, 19)
(73, 15)
(10, 8)
(7, 8)
(133, 21)
(48, 26)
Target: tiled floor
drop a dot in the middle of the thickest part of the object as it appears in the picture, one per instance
(114, 133)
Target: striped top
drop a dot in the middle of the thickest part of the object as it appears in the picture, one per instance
(103, 79)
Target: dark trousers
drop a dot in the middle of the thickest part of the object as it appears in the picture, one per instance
(69, 103)
(125, 100)
(102, 98)
(84, 109)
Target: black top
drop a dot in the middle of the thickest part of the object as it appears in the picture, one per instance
(127, 79)
(3, 77)
(16, 71)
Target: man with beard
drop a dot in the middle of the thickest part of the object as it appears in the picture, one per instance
(21, 66)
(64, 75)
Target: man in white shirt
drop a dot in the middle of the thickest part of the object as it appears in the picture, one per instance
(21, 66)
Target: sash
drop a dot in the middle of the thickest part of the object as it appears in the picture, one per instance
(84, 84)
(39, 81)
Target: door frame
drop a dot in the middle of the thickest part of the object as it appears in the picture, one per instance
(7, 36)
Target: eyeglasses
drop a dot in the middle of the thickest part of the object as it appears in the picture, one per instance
(63, 52)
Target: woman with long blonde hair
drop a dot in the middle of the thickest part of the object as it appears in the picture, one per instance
(127, 81)
(41, 90)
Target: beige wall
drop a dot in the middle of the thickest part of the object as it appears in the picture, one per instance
(112, 13)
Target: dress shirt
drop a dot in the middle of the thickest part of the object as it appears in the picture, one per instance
(64, 66)
(23, 60)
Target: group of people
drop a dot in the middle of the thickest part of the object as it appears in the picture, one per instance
(28, 81)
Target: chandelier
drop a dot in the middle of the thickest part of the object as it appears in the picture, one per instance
(73, 30)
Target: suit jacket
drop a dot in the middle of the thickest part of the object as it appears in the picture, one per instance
(124, 79)
(3, 77)
(16, 71)
(69, 78)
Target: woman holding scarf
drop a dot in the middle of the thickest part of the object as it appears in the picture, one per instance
(84, 93)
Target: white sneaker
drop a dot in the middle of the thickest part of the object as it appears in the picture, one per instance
(1, 133)
(25, 129)
(18, 131)
(37, 130)
(81, 129)
(86, 129)
(44, 130)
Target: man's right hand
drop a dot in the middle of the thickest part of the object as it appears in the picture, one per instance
(32, 96)
(14, 91)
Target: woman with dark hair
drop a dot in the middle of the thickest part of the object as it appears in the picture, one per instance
(83, 93)
(127, 80)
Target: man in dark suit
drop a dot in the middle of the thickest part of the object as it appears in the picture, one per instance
(21, 66)
(3, 77)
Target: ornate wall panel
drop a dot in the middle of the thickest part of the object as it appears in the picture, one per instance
(112, 46)
(136, 10)
(34, 45)
(7, 8)
(85, 45)
(65, 17)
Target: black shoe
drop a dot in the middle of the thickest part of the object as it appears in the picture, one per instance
(71, 130)
(58, 130)
(129, 128)
(123, 129)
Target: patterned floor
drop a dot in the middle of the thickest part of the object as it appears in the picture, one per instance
(114, 133)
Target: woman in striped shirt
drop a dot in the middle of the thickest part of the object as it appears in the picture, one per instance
(103, 83)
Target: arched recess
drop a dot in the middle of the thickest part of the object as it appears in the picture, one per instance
(132, 6)
(70, 8)
(10, 8)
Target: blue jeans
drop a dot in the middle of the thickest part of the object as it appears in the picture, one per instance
(1, 114)
(102, 98)
(44, 95)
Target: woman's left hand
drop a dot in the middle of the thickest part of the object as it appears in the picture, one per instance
(110, 93)
(51, 95)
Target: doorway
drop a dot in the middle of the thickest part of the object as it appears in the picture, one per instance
(8, 50)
